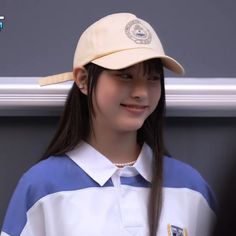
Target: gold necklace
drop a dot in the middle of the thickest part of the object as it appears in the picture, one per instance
(124, 164)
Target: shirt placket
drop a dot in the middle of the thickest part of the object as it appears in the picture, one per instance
(128, 207)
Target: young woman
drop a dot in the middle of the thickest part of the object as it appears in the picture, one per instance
(105, 172)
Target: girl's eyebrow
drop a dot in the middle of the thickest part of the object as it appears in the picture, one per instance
(120, 70)
(155, 73)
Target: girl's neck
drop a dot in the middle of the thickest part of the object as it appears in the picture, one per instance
(117, 147)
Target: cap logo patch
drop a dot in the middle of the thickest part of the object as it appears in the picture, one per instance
(136, 31)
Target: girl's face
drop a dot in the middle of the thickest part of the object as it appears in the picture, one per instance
(123, 99)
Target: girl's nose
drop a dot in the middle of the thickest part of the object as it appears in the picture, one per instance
(139, 89)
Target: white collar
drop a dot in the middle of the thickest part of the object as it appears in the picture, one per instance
(101, 169)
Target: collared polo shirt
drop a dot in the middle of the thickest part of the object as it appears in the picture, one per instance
(83, 193)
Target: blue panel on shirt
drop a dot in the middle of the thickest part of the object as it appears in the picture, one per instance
(49, 176)
(177, 175)
(135, 181)
(181, 175)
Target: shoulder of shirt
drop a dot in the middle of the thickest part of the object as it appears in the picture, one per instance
(182, 172)
(50, 176)
(47, 169)
(47, 175)
(178, 174)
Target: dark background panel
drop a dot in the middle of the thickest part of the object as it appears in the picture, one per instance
(208, 144)
(22, 142)
(39, 37)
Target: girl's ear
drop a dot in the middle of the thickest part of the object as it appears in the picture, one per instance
(81, 79)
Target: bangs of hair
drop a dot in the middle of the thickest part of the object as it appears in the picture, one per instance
(151, 66)
(154, 65)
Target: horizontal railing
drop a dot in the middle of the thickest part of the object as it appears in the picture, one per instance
(185, 97)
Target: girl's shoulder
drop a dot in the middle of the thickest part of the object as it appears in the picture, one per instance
(50, 176)
(180, 172)
(56, 173)
(180, 175)
(44, 173)
(47, 169)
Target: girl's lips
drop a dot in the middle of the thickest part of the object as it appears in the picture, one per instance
(134, 108)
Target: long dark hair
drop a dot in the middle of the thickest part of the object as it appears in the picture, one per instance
(75, 125)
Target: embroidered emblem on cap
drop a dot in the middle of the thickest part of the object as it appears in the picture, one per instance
(176, 231)
(136, 31)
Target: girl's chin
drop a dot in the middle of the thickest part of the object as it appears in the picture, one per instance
(131, 127)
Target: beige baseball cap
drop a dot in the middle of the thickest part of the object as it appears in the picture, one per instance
(115, 42)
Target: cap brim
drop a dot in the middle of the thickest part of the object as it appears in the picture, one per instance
(122, 59)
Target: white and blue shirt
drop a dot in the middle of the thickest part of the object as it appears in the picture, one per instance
(83, 193)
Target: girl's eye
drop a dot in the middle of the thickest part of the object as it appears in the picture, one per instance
(154, 77)
(125, 76)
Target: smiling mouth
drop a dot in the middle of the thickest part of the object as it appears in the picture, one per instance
(134, 108)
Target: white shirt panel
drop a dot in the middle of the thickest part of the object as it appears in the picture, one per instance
(98, 212)
(178, 201)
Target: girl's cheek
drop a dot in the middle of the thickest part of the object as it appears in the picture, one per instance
(155, 89)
